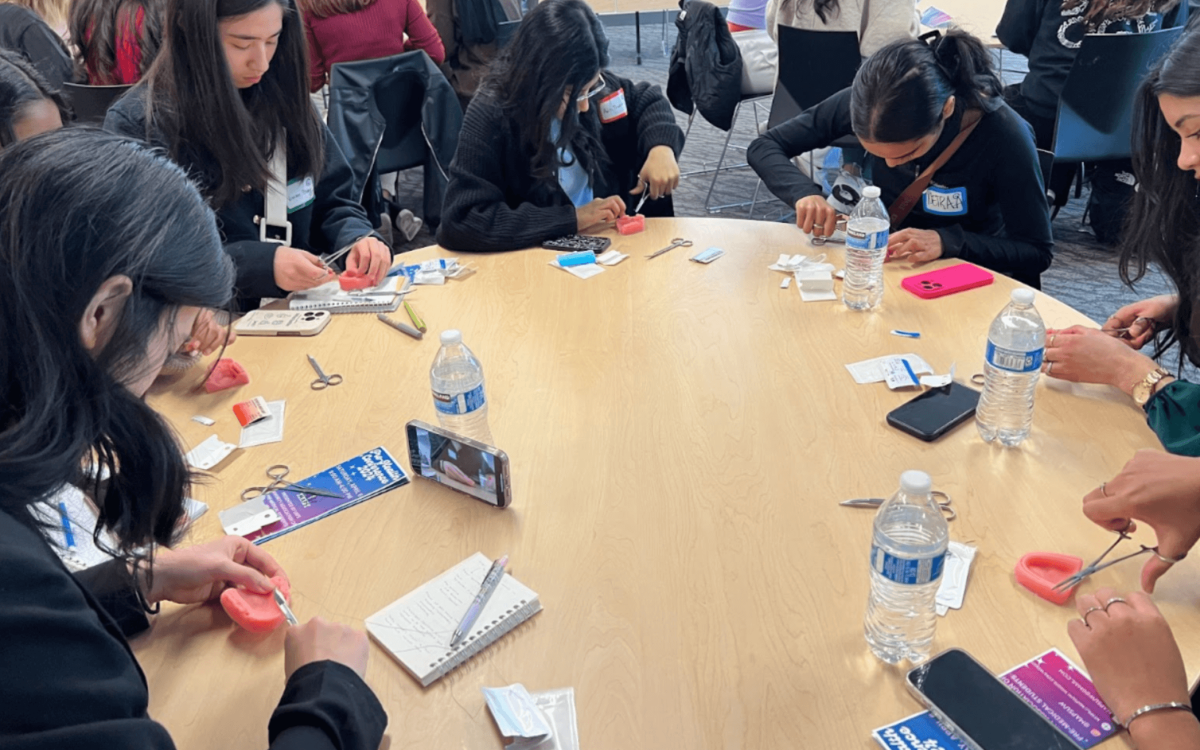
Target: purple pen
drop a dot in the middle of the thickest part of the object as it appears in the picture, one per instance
(485, 592)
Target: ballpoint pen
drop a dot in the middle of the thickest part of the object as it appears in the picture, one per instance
(285, 609)
(485, 592)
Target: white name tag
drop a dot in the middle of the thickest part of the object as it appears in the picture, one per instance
(946, 201)
(300, 194)
(612, 107)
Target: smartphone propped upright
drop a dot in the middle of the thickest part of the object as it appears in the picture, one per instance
(460, 463)
(936, 411)
(979, 708)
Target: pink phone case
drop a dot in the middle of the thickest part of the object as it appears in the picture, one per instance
(945, 281)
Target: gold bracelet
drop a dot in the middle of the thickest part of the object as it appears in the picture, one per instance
(1174, 705)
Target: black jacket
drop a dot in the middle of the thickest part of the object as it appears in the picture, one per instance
(333, 220)
(69, 680)
(706, 65)
(408, 93)
(1050, 38)
(24, 31)
(1006, 223)
(493, 201)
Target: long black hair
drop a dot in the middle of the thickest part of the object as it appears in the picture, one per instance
(95, 26)
(1163, 224)
(228, 135)
(560, 46)
(900, 91)
(20, 86)
(63, 408)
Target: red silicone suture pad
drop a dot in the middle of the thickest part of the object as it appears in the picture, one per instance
(1041, 571)
(227, 374)
(351, 281)
(631, 224)
(257, 613)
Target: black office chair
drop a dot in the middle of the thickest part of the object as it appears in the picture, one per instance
(91, 103)
(801, 52)
(505, 32)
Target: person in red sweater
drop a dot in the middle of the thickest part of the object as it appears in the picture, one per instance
(349, 30)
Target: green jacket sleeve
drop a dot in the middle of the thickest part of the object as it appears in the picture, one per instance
(1174, 415)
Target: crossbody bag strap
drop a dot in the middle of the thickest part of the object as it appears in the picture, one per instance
(274, 225)
(903, 205)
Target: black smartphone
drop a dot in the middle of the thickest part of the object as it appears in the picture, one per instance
(936, 411)
(979, 708)
(460, 463)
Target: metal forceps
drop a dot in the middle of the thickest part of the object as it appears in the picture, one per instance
(277, 474)
(1097, 564)
(323, 381)
(944, 503)
(677, 242)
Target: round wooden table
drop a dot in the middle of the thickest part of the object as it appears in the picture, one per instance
(680, 437)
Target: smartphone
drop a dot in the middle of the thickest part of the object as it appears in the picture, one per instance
(979, 708)
(935, 412)
(282, 323)
(460, 463)
(957, 278)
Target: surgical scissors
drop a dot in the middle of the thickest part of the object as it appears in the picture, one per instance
(1096, 566)
(677, 242)
(945, 504)
(323, 381)
(277, 474)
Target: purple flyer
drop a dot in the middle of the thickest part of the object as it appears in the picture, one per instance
(1055, 688)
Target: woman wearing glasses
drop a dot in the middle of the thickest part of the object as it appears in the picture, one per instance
(553, 144)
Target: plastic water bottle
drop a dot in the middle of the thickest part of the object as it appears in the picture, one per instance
(458, 394)
(1016, 342)
(866, 247)
(908, 552)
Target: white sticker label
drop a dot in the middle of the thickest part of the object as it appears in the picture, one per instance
(300, 194)
(946, 201)
(612, 107)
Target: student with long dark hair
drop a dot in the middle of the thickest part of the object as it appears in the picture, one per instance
(877, 22)
(117, 39)
(94, 295)
(230, 87)
(909, 104)
(554, 144)
(28, 105)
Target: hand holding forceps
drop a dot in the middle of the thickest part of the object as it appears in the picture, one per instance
(277, 474)
(944, 503)
(323, 381)
(677, 242)
(1098, 564)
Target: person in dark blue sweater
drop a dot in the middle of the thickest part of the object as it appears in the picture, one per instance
(909, 101)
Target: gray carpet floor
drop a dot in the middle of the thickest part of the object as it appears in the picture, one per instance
(1083, 274)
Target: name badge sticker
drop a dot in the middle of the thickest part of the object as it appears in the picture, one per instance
(612, 107)
(300, 194)
(945, 201)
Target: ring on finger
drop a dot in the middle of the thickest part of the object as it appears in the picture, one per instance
(1049, 368)
(1104, 490)
(1053, 336)
(818, 226)
(1090, 610)
(1169, 560)
(1115, 600)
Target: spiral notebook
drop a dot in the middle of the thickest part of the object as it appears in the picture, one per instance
(416, 629)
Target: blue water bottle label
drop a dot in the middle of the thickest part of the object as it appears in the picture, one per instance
(866, 240)
(1013, 360)
(464, 403)
(907, 571)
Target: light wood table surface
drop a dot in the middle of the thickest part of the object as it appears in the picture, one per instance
(680, 436)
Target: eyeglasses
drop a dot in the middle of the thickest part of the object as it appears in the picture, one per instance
(595, 91)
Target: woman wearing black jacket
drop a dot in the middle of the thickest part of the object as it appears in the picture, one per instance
(81, 348)
(986, 204)
(231, 86)
(553, 144)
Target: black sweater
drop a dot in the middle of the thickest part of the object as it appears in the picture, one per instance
(330, 222)
(493, 201)
(69, 680)
(24, 31)
(1050, 38)
(1006, 222)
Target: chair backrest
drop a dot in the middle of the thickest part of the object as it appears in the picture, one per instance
(91, 103)
(505, 32)
(802, 52)
(1095, 111)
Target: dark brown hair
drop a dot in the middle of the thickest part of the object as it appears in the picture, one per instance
(327, 8)
(1099, 11)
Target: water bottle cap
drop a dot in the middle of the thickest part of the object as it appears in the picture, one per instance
(1022, 296)
(915, 483)
(871, 191)
(451, 337)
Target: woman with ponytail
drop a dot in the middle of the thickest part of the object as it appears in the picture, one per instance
(910, 103)
(93, 298)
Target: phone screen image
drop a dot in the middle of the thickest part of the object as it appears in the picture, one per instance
(455, 464)
(936, 411)
(964, 693)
